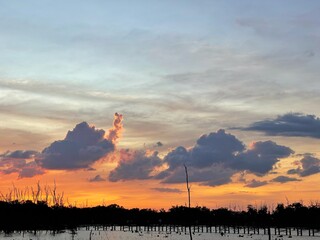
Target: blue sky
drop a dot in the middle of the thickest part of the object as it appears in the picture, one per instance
(164, 62)
(174, 69)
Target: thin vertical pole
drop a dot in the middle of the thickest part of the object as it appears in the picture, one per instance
(189, 198)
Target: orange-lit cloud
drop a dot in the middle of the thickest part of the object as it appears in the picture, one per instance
(80, 149)
(116, 130)
(215, 160)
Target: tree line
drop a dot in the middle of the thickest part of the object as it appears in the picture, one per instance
(28, 215)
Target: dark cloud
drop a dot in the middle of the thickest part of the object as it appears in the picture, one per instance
(255, 183)
(215, 148)
(284, 179)
(214, 176)
(167, 190)
(31, 169)
(291, 124)
(23, 154)
(97, 178)
(309, 165)
(177, 157)
(226, 150)
(91, 169)
(82, 146)
(159, 144)
(261, 157)
(135, 165)
(24, 168)
(216, 157)
(294, 171)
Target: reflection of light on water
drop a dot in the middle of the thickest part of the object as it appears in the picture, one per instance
(84, 234)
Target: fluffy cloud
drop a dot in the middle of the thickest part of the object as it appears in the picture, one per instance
(225, 150)
(31, 169)
(215, 147)
(309, 166)
(291, 124)
(284, 179)
(177, 158)
(214, 176)
(261, 157)
(20, 162)
(135, 165)
(20, 154)
(256, 183)
(81, 147)
(217, 156)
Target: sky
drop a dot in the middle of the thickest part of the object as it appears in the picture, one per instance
(108, 100)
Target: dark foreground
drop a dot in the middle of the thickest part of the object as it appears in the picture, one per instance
(118, 233)
(29, 215)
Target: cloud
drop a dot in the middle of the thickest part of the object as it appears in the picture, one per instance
(116, 130)
(31, 169)
(214, 159)
(81, 147)
(21, 154)
(220, 148)
(261, 157)
(215, 147)
(135, 165)
(159, 144)
(167, 190)
(256, 183)
(309, 165)
(177, 157)
(12, 162)
(284, 179)
(214, 176)
(97, 178)
(291, 124)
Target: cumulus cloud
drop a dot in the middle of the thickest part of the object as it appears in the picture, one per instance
(214, 176)
(81, 147)
(177, 158)
(256, 183)
(291, 124)
(97, 178)
(214, 159)
(225, 150)
(284, 179)
(116, 130)
(20, 162)
(31, 169)
(21, 154)
(261, 157)
(309, 165)
(215, 147)
(135, 165)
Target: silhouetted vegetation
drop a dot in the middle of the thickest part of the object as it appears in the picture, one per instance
(45, 208)
(39, 215)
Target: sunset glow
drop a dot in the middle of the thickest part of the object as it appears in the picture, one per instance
(108, 100)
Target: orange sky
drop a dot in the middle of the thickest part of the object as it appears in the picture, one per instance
(79, 191)
(229, 88)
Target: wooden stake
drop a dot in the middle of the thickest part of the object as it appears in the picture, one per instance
(189, 198)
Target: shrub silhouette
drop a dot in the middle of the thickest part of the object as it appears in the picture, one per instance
(29, 215)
